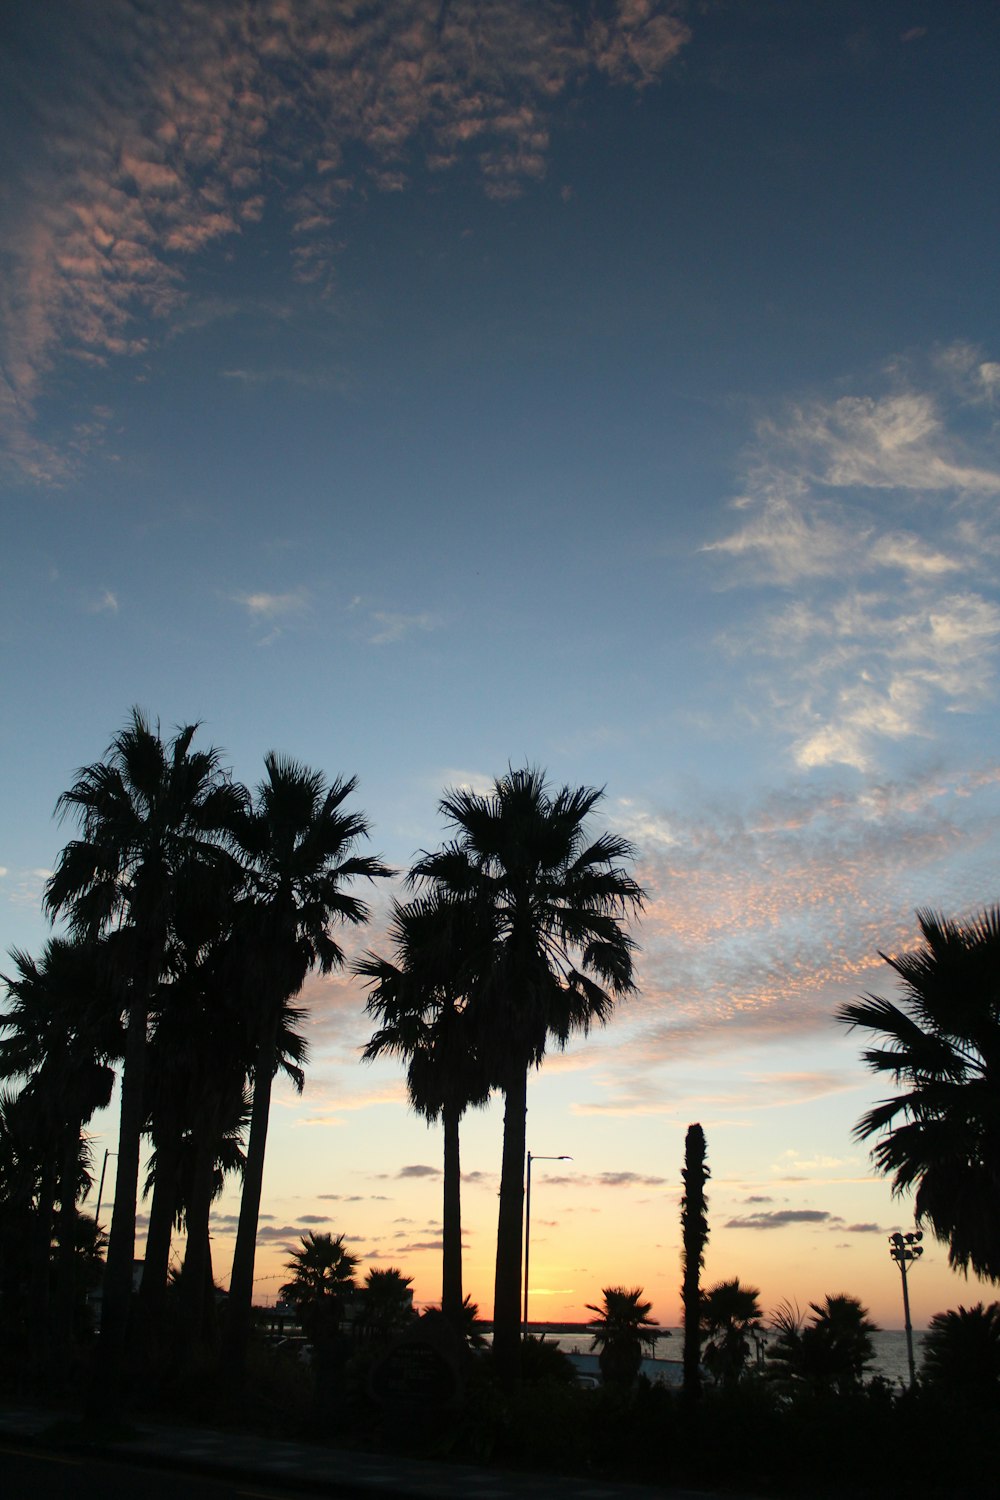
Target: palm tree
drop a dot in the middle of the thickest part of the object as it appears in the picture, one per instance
(622, 1329)
(832, 1351)
(322, 1280)
(63, 1030)
(961, 1351)
(152, 817)
(553, 902)
(694, 1237)
(729, 1313)
(421, 1002)
(386, 1305)
(940, 1134)
(297, 844)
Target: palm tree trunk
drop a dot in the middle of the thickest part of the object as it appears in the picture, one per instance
(193, 1279)
(510, 1229)
(152, 1293)
(117, 1293)
(240, 1303)
(41, 1279)
(66, 1277)
(451, 1267)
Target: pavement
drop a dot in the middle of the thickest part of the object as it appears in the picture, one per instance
(314, 1468)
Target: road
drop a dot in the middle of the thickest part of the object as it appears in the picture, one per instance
(29, 1474)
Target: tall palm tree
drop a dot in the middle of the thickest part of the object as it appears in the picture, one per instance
(298, 847)
(940, 1046)
(153, 818)
(420, 998)
(554, 901)
(694, 1237)
(622, 1329)
(730, 1313)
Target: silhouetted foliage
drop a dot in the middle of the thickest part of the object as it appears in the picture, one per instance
(829, 1351)
(622, 1331)
(730, 1315)
(961, 1351)
(940, 1135)
(551, 900)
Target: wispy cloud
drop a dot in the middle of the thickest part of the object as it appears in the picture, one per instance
(176, 139)
(392, 626)
(878, 515)
(263, 605)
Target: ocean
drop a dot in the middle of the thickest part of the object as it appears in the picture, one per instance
(890, 1354)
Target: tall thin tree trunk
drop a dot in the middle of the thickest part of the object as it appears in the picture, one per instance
(152, 1293)
(240, 1303)
(451, 1259)
(193, 1278)
(117, 1292)
(66, 1275)
(694, 1236)
(510, 1230)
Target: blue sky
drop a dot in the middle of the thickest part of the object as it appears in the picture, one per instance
(413, 387)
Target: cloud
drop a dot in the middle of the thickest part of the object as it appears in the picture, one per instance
(177, 135)
(418, 1171)
(878, 515)
(864, 1229)
(266, 606)
(764, 915)
(106, 603)
(780, 1218)
(394, 627)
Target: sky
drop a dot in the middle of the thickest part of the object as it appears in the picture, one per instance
(418, 387)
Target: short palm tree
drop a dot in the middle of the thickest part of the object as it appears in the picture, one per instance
(554, 901)
(961, 1351)
(298, 845)
(940, 1046)
(831, 1351)
(386, 1305)
(622, 1330)
(730, 1314)
(153, 818)
(420, 999)
(322, 1281)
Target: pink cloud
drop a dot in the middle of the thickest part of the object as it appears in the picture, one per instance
(179, 138)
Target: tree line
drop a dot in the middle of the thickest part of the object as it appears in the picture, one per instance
(194, 910)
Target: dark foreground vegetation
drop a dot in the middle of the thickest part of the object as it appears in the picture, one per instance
(752, 1437)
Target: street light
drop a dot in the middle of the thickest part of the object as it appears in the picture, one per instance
(904, 1249)
(527, 1232)
(100, 1190)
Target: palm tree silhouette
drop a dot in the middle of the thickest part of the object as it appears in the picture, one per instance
(830, 1351)
(322, 1281)
(940, 1134)
(553, 901)
(622, 1330)
(730, 1312)
(153, 817)
(420, 999)
(63, 1032)
(297, 844)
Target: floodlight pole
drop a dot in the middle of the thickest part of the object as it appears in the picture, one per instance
(904, 1249)
(527, 1232)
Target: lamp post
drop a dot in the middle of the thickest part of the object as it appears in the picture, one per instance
(527, 1232)
(904, 1249)
(100, 1190)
